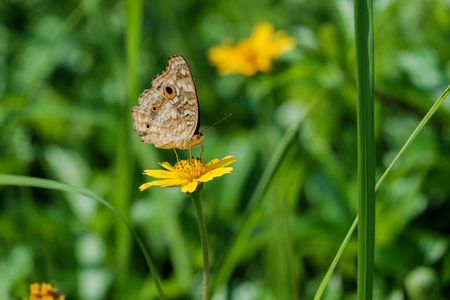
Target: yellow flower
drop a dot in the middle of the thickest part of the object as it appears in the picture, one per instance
(253, 54)
(44, 291)
(188, 173)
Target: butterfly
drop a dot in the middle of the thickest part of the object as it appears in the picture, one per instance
(168, 115)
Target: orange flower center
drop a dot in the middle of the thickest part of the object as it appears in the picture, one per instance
(251, 57)
(190, 170)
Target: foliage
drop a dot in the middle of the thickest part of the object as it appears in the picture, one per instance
(65, 115)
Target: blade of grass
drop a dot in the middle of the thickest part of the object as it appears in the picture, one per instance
(281, 262)
(132, 40)
(327, 276)
(255, 205)
(15, 180)
(123, 163)
(416, 131)
(366, 146)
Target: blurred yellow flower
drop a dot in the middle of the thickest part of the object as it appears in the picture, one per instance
(44, 291)
(253, 54)
(188, 173)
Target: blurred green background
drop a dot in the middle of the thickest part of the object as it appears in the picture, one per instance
(66, 90)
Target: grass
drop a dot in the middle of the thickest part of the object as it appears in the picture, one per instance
(276, 224)
(14, 180)
(366, 146)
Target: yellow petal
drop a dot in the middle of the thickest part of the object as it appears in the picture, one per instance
(282, 44)
(227, 157)
(35, 289)
(217, 160)
(215, 164)
(160, 174)
(174, 182)
(214, 173)
(262, 33)
(212, 162)
(166, 165)
(162, 182)
(190, 187)
(222, 57)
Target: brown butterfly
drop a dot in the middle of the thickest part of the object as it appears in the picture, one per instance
(168, 115)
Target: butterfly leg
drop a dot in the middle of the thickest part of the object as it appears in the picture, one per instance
(199, 144)
(176, 154)
(203, 149)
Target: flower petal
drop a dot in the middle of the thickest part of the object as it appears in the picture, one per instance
(215, 164)
(160, 174)
(173, 182)
(215, 160)
(190, 187)
(166, 166)
(214, 173)
(282, 43)
(162, 182)
(262, 34)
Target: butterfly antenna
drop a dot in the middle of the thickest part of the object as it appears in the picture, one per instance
(210, 128)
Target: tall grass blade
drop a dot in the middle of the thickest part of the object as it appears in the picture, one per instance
(123, 161)
(366, 146)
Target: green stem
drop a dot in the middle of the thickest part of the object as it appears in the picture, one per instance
(196, 197)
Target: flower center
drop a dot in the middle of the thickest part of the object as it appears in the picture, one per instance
(189, 170)
(251, 57)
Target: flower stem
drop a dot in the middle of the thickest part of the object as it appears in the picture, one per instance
(196, 197)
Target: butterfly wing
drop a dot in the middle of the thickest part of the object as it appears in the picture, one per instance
(157, 121)
(177, 84)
